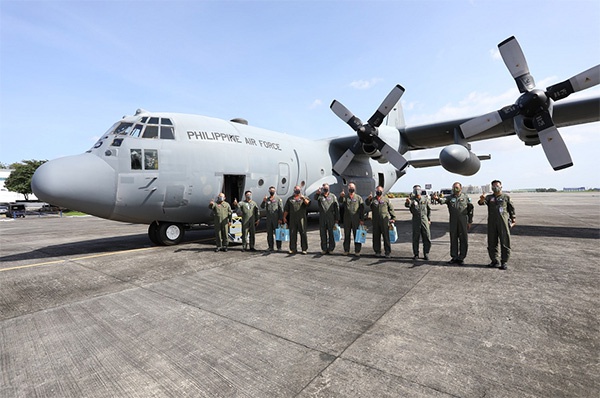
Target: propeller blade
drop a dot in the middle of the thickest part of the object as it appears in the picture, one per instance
(586, 79)
(386, 106)
(514, 59)
(343, 113)
(480, 124)
(342, 163)
(554, 147)
(392, 155)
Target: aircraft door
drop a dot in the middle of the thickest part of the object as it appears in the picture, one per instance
(233, 187)
(283, 184)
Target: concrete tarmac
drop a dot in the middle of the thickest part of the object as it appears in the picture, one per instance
(89, 308)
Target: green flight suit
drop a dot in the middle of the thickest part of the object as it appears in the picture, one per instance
(250, 215)
(354, 212)
(421, 215)
(221, 218)
(329, 215)
(274, 206)
(500, 213)
(297, 222)
(383, 212)
(461, 214)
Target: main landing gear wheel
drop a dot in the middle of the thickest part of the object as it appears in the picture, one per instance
(166, 233)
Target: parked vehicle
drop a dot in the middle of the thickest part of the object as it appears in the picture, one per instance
(15, 210)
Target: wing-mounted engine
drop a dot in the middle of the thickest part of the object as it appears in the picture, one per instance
(532, 112)
(379, 143)
(458, 159)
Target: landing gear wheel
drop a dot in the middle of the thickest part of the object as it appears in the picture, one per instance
(153, 233)
(170, 234)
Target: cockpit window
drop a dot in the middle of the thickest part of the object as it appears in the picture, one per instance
(152, 127)
(137, 130)
(166, 132)
(124, 128)
(151, 132)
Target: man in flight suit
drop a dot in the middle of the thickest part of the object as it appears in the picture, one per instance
(501, 217)
(250, 219)
(295, 207)
(383, 217)
(461, 218)
(329, 215)
(222, 219)
(421, 219)
(354, 216)
(274, 206)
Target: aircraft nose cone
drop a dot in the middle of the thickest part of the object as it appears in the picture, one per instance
(83, 182)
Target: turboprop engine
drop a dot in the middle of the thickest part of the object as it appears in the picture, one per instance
(458, 159)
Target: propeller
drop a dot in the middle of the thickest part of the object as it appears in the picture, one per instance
(534, 103)
(367, 133)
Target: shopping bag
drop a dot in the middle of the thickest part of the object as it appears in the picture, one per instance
(282, 233)
(393, 233)
(337, 233)
(360, 235)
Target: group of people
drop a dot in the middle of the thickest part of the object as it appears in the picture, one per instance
(501, 217)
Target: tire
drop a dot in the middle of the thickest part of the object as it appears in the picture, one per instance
(153, 233)
(170, 234)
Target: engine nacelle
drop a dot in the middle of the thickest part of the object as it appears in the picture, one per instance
(459, 160)
(525, 130)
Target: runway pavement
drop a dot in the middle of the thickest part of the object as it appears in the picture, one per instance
(89, 308)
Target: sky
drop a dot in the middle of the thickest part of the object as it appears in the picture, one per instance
(70, 69)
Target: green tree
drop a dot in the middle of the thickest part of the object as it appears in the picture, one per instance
(19, 179)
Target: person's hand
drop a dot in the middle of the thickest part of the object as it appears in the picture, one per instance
(361, 222)
(235, 202)
(370, 195)
(513, 222)
(284, 221)
(342, 194)
(265, 198)
(392, 221)
(407, 200)
(212, 202)
(482, 197)
(279, 222)
(257, 222)
(468, 226)
(319, 191)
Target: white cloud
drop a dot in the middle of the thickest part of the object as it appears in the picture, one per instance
(315, 104)
(365, 84)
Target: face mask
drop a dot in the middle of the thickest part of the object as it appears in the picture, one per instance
(379, 193)
(325, 190)
(272, 193)
(496, 189)
(457, 190)
(415, 192)
(220, 198)
(351, 190)
(297, 191)
(248, 197)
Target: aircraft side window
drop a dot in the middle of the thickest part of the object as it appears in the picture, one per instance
(151, 132)
(137, 130)
(144, 119)
(124, 128)
(136, 159)
(153, 120)
(150, 159)
(166, 133)
(166, 122)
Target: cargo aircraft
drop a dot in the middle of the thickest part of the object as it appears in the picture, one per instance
(162, 169)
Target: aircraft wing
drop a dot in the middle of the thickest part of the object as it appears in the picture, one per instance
(442, 133)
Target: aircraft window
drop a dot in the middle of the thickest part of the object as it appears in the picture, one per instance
(117, 142)
(153, 120)
(166, 122)
(137, 130)
(166, 133)
(124, 128)
(150, 159)
(151, 132)
(136, 159)
(144, 119)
